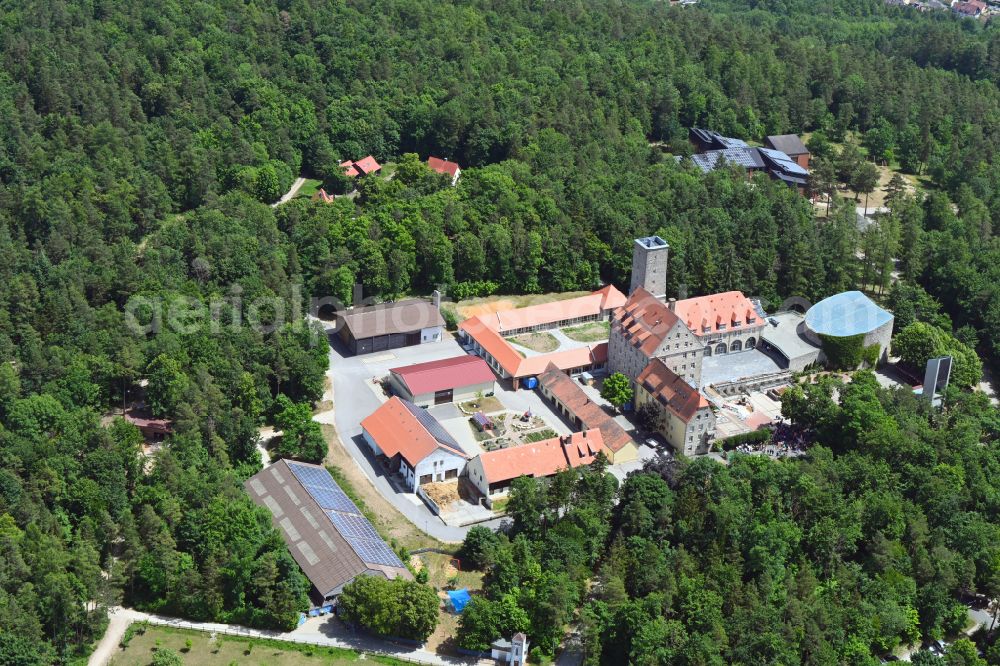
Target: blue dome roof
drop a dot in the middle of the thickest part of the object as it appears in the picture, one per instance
(846, 314)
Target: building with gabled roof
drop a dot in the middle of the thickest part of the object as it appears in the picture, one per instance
(791, 145)
(326, 534)
(493, 471)
(575, 405)
(386, 326)
(445, 167)
(487, 334)
(416, 445)
(446, 380)
(724, 322)
(646, 328)
(362, 167)
(684, 416)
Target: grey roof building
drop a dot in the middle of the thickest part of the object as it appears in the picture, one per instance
(390, 325)
(325, 532)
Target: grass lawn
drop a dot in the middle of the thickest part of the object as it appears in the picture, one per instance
(487, 405)
(225, 650)
(547, 433)
(538, 341)
(500, 505)
(594, 331)
(309, 188)
(490, 304)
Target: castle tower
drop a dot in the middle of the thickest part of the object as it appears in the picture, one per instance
(649, 265)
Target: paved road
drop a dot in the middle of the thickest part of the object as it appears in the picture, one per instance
(299, 182)
(325, 631)
(352, 376)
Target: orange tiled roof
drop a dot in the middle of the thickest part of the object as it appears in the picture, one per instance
(591, 415)
(670, 390)
(705, 315)
(645, 321)
(487, 330)
(606, 298)
(396, 430)
(544, 458)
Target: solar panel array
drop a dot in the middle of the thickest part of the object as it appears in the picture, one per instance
(345, 516)
(436, 430)
(786, 163)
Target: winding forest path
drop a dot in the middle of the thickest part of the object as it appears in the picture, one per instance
(299, 182)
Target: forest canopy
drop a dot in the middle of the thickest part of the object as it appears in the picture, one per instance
(140, 144)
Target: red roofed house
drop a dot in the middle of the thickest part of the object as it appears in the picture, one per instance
(684, 416)
(448, 380)
(572, 402)
(486, 333)
(970, 9)
(446, 167)
(417, 446)
(647, 328)
(726, 322)
(362, 167)
(493, 471)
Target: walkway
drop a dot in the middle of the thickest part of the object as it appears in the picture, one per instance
(325, 631)
(299, 182)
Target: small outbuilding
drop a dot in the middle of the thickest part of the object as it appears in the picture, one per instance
(448, 380)
(446, 167)
(386, 326)
(362, 167)
(791, 145)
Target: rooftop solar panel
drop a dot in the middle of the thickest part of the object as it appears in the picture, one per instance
(436, 430)
(374, 551)
(333, 498)
(323, 488)
(353, 527)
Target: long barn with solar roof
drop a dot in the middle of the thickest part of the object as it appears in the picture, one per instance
(325, 532)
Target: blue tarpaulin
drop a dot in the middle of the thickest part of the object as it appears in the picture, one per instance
(460, 599)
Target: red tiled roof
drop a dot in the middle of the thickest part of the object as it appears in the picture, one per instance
(396, 430)
(447, 373)
(367, 165)
(442, 166)
(645, 320)
(591, 415)
(544, 458)
(362, 167)
(670, 390)
(349, 169)
(705, 315)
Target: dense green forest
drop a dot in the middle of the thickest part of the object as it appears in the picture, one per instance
(873, 541)
(139, 143)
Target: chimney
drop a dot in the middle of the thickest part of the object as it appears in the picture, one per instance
(357, 296)
(436, 298)
(671, 302)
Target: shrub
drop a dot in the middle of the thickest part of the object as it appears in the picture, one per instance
(761, 436)
(398, 607)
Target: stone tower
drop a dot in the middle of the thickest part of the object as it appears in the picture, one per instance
(649, 265)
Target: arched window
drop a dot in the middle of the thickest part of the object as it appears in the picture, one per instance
(751, 343)
(721, 348)
(708, 350)
(736, 346)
